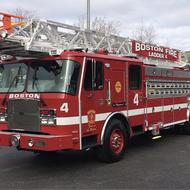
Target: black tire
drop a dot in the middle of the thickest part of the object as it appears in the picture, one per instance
(114, 147)
(45, 153)
(186, 128)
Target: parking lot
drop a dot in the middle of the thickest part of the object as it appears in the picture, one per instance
(161, 164)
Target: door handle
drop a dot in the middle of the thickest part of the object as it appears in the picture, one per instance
(140, 98)
(108, 99)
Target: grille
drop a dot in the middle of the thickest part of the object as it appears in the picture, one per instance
(24, 115)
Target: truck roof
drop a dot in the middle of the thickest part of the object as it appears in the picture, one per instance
(100, 56)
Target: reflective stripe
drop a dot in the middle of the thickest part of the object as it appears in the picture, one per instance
(134, 112)
(174, 123)
(68, 120)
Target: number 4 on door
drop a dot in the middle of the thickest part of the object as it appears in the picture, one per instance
(136, 99)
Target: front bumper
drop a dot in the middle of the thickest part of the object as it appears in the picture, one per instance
(40, 142)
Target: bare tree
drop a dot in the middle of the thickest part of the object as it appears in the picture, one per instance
(27, 14)
(186, 56)
(100, 24)
(145, 33)
(81, 22)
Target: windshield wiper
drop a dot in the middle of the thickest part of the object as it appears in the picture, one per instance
(34, 78)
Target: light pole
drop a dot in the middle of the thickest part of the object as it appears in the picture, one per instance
(88, 15)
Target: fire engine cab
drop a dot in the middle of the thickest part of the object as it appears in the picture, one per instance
(57, 95)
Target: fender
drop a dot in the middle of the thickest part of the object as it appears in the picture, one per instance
(114, 115)
(188, 115)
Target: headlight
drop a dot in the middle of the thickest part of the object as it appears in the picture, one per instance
(2, 118)
(48, 121)
(51, 121)
(3, 115)
(48, 117)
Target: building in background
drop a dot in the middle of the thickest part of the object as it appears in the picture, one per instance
(188, 56)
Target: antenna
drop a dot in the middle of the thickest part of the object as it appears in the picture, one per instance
(88, 15)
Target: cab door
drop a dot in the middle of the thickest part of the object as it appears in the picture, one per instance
(92, 97)
(136, 96)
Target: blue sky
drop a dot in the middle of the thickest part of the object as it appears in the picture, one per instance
(170, 18)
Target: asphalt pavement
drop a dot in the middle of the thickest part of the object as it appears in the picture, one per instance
(160, 164)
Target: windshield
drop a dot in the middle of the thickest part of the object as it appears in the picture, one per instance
(53, 76)
(41, 76)
(12, 77)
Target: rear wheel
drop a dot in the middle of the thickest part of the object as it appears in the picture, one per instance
(182, 129)
(186, 128)
(114, 143)
(45, 153)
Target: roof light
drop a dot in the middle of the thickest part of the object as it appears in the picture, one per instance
(3, 34)
(102, 51)
(6, 57)
(55, 52)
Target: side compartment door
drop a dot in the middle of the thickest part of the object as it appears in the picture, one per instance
(136, 95)
(168, 98)
(180, 98)
(154, 96)
(118, 89)
(180, 109)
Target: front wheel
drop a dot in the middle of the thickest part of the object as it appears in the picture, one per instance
(114, 143)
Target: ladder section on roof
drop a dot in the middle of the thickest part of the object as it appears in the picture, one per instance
(36, 38)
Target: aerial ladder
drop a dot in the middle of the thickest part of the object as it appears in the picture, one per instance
(7, 24)
(36, 38)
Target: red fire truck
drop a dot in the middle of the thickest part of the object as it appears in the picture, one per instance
(79, 98)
